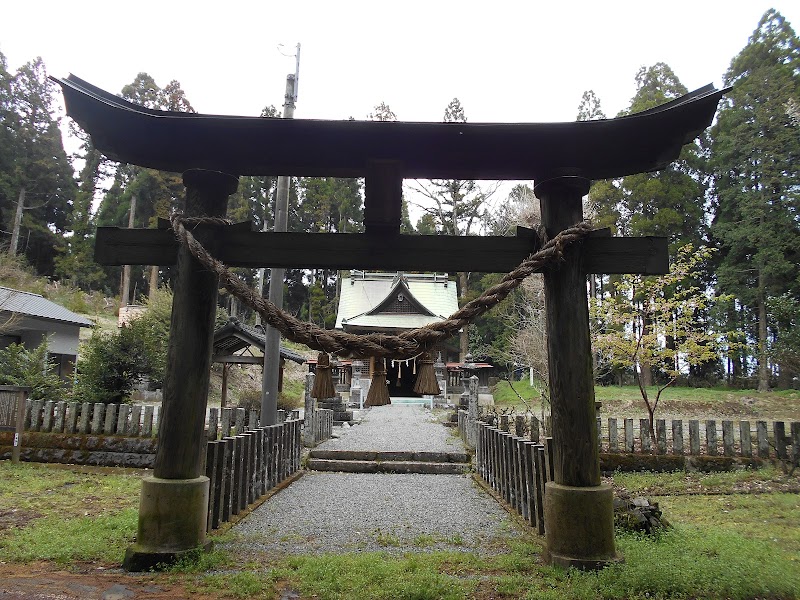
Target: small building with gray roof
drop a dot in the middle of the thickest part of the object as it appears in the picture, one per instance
(30, 319)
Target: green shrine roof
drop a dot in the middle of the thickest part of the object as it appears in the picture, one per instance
(394, 301)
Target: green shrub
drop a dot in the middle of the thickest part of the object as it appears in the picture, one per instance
(110, 364)
(250, 399)
(29, 368)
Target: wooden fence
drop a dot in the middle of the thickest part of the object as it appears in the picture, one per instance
(244, 467)
(711, 437)
(318, 426)
(692, 437)
(130, 420)
(318, 421)
(515, 467)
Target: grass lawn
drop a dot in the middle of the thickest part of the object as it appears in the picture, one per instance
(626, 401)
(724, 544)
(61, 515)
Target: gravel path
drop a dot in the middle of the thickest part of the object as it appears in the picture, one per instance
(348, 512)
(396, 428)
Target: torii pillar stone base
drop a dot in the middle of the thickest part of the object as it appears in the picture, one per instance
(172, 522)
(578, 510)
(173, 510)
(579, 526)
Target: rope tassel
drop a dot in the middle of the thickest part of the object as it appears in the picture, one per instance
(378, 391)
(426, 383)
(323, 382)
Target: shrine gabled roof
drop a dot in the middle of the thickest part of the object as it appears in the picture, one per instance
(173, 141)
(235, 336)
(362, 293)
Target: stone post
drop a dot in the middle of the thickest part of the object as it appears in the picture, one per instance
(579, 516)
(440, 368)
(174, 501)
(472, 413)
(356, 397)
(310, 415)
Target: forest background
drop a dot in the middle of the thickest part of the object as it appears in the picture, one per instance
(731, 204)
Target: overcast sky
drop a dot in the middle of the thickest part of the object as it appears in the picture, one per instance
(505, 61)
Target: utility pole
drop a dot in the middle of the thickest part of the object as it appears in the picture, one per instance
(272, 346)
(126, 269)
(12, 248)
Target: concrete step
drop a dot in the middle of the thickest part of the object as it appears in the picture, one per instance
(393, 466)
(387, 456)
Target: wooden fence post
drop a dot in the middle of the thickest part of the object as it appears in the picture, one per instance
(541, 480)
(71, 418)
(761, 439)
(779, 431)
(134, 428)
(47, 418)
(711, 437)
(241, 415)
(644, 435)
(211, 472)
(661, 436)
(225, 422)
(83, 427)
(110, 424)
(213, 422)
(727, 438)
(694, 437)
(147, 425)
(677, 437)
(629, 443)
(613, 435)
(745, 439)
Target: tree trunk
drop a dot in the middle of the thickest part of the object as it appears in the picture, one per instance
(151, 293)
(125, 290)
(646, 370)
(763, 372)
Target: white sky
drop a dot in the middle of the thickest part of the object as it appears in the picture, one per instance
(505, 61)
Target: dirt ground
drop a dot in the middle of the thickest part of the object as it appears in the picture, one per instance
(44, 581)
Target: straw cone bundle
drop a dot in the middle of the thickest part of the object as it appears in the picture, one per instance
(426, 383)
(323, 381)
(378, 392)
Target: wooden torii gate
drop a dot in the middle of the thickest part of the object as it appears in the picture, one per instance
(211, 151)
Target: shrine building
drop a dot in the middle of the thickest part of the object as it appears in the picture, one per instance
(391, 303)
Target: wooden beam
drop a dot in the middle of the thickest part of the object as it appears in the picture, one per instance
(383, 196)
(491, 254)
(238, 360)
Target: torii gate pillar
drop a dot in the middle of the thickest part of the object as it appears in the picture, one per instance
(173, 507)
(579, 512)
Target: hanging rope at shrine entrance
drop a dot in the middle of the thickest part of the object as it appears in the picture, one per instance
(401, 346)
(405, 346)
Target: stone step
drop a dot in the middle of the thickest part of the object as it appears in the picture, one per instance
(400, 466)
(388, 456)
